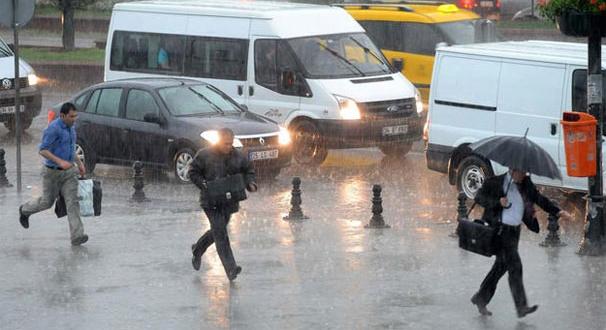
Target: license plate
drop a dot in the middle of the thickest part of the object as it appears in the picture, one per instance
(395, 130)
(265, 154)
(11, 109)
(486, 4)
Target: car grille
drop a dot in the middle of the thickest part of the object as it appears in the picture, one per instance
(22, 83)
(388, 109)
(257, 142)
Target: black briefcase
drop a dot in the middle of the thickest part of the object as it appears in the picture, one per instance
(477, 237)
(228, 189)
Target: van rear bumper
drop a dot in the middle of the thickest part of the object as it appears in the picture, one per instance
(437, 157)
(342, 134)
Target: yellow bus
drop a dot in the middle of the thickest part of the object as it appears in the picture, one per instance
(408, 33)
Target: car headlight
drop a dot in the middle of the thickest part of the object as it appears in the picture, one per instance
(419, 101)
(348, 108)
(32, 79)
(284, 136)
(212, 137)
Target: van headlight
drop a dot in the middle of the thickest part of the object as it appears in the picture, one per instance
(284, 136)
(348, 108)
(32, 79)
(212, 137)
(419, 101)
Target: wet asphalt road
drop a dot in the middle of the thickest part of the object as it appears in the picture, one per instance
(324, 273)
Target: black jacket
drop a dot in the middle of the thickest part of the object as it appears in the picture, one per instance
(209, 165)
(492, 190)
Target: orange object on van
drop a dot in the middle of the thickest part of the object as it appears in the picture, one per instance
(580, 143)
(50, 116)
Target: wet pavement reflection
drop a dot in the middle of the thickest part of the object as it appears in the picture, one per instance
(327, 272)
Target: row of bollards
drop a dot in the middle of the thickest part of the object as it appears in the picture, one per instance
(551, 240)
(296, 212)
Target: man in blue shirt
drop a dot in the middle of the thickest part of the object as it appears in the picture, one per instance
(60, 175)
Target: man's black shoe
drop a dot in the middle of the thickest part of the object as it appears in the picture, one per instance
(481, 307)
(234, 273)
(80, 240)
(527, 310)
(23, 219)
(195, 260)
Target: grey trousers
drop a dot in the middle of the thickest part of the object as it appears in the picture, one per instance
(53, 182)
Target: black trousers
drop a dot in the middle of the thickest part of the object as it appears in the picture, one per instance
(219, 218)
(507, 260)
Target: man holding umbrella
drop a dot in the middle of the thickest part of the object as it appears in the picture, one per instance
(508, 201)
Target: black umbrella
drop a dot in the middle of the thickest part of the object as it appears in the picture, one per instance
(518, 152)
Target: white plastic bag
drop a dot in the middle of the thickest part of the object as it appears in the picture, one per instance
(85, 197)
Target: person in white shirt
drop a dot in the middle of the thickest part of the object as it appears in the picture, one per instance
(508, 201)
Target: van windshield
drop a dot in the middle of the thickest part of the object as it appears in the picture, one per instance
(196, 100)
(465, 32)
(339, 56)
(5, 51)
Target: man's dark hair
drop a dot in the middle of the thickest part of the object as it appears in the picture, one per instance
(226, 132)
(67, 107)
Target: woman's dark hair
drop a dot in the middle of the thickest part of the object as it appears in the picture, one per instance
(67, 107)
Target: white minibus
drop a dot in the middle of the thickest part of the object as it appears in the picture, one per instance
(310, 68)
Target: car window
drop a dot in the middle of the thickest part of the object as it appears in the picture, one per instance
(139, 103)
(147, 52)
(79, 102)
(196, 100)
(91, 107)
(109, 102)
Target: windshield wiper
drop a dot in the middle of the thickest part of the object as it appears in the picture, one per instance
(337, 55)
(215, 107)
(368, 51)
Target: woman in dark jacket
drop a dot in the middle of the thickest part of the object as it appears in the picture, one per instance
(508, 201)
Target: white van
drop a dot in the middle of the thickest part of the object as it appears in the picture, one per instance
(310, 68)
(31, 99)
(503, 88)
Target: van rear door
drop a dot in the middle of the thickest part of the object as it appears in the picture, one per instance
(530, 98)
(463, 100)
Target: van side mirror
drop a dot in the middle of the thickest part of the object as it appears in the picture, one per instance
(153, 118)
(288, 79)
(398, 64)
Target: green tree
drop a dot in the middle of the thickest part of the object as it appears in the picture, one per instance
(68, 8)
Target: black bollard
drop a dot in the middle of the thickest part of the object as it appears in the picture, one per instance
(462, 207)
(296, 213)
(461, 212)
(3, 180)
(377, 220)
(138, 195)
(553, 238)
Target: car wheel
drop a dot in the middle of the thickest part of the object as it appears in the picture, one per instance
(471, 173)
(11, 124)
(309, 146)
(87, 156)
(396, 150)
(182, 161)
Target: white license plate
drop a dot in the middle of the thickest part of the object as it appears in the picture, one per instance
(11, 109)
(265, 154)
(486, 4)
(395, 130)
